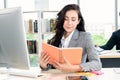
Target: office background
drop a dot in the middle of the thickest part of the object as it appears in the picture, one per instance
(102, 17)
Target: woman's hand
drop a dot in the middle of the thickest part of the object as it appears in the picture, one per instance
(44, 60)
(66, 66)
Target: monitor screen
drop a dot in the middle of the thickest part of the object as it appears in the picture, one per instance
(13, 46)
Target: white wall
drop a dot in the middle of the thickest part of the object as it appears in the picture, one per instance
(1, 4)
(42, 5)
(27, 5)
(99, 16)
(53, 5)
(59, 4)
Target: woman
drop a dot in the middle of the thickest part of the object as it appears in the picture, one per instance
(70, 32)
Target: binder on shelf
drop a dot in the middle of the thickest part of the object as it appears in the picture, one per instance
(35, 26)
(30, 25)
(32, 46)
(73, 54)
(52, 24)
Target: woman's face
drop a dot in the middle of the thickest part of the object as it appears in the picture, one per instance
(71, 21)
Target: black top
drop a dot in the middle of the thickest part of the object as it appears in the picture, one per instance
(113, 41)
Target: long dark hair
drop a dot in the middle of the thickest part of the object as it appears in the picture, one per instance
(59, 30)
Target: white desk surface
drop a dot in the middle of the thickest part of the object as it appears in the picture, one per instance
(109, 74)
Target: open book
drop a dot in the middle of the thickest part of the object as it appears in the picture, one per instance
(73, 55)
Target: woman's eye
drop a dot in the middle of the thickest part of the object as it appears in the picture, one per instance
(66, 19)
(73, 19)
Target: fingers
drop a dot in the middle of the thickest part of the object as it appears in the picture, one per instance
(56, 64)
(44, 59)
(44, 56)
(65, 60)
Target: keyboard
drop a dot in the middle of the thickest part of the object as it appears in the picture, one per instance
(116, 70)
(3, 70)
(32, 72)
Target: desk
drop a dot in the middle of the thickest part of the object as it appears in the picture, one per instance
(109, 74)
(110, 59)
(109, 54)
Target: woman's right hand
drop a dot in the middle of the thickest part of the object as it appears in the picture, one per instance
(44, 60)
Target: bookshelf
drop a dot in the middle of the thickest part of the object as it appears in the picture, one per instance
(48, 19)
(31, 27)
(39, 27)
(32, 22)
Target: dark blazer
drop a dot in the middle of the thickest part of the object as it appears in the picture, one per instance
(113, 41)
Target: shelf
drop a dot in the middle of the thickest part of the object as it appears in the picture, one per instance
(31, 27)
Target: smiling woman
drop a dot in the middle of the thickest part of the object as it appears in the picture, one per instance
(70, 32)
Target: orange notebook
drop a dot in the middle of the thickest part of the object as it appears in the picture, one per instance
(73, 55)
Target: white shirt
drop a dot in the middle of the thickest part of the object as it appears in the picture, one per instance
(65, 41)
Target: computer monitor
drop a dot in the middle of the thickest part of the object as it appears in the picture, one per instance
(13, 46)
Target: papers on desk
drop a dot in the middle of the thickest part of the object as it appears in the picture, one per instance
(105, 52)
(99, 49)
(97, 72)
(92, 73)
(110, 52)
(102, 51)
(116, 70)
